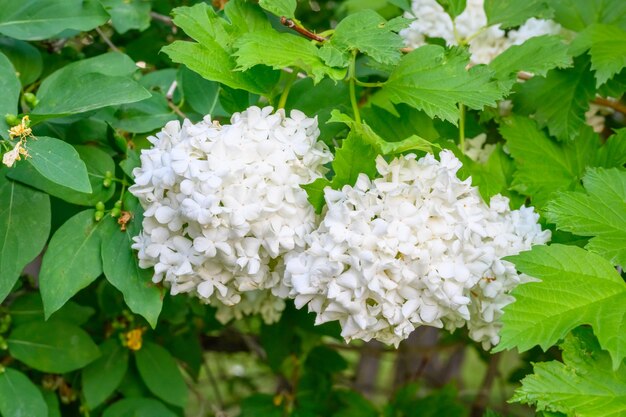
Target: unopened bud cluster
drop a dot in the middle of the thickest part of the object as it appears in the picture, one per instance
(227, 221)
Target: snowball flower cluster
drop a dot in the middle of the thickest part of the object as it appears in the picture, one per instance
(223, 204)
(478, 149)
(416, 246)
(431, 21)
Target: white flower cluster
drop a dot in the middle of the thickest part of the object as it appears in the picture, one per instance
(223, 204)
(596, 117)
(478, 149)
(416, 246)
(485, 42)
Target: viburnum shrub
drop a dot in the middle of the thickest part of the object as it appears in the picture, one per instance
(312, 208)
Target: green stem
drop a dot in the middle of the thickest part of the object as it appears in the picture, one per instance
(288, 83)
(366, 84)
(352, 81)
(462, 128)
(472, 36)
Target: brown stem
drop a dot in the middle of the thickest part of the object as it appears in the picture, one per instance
(482, 399)
(301, 30)
(106, 40)
(162, 18)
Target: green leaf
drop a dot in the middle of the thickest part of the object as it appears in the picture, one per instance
(52, 401)
(435, 80)
(599, 213)
(260, 405)
(89, 92)
(102, 377)
(453, 7)
(510, 13)
(577, 287)
(280, 50)
(34, 20)
(161, 374)
(59, 162)
(10, 87)
(407, 122)
(537, 55)
(576, 15)
(19, 397)
(29, 307)
(560, 100)
(494, 177)
(212, 57)
(25, 58)
(607, 47)
(368, 32)
(128, 14)
(202, 95)
(52, 346)
(24, 229)
(138, 407)
(122, 270)
(286, 8)
(584, 385)
(98, 163)
(315, 193)
(143, 116)
(96, 82)
(545, 166)
(71, 262)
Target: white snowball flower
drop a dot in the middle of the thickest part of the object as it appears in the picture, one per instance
(416, 246)
(223, 204)
(431, 21)
(477, 149)
(596, 117)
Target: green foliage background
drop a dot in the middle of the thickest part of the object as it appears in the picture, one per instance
(96, 77)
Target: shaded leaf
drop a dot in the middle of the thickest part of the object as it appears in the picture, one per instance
(121, 268)
(58, 162)
(560, 100)
(138, 407)
(52, 346)
(102, 377)
(71, 262)
(10, 87)
(98, 163)
(19, 397)
(161, 374)
(24, 229)
(510, 13)
(42, 19)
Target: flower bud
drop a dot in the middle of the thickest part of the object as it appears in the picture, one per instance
(11, 119)
(31, 99)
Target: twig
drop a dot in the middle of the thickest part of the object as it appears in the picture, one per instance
(106, 40)
(482, 398)
(162, 18)
(301, 30)
(170, 103)
(213, 382)
(613, 104)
